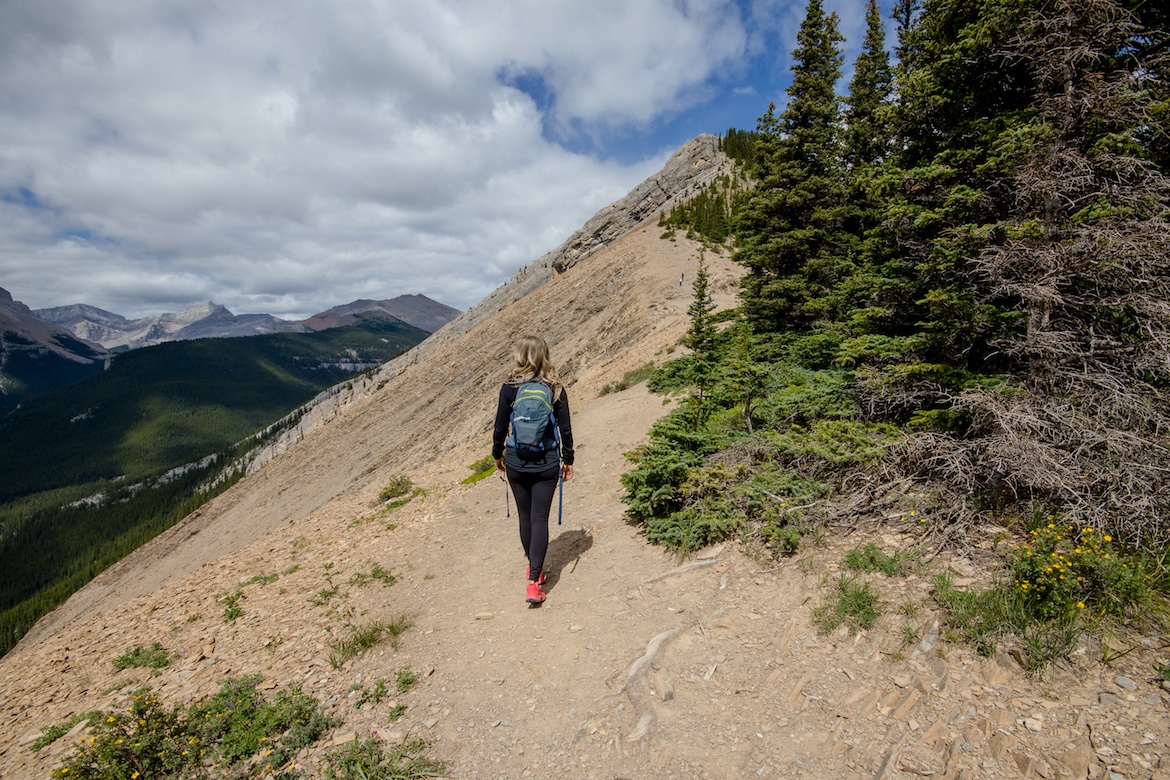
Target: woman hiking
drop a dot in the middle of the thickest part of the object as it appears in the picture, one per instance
(530, 455)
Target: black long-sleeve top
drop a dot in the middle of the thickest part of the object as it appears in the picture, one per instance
(500, 433)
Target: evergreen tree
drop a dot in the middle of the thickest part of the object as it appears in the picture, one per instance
(866, 136)
(904, 15)
(943, 185)
(700, 338)
(790, 228)
(1084, 252)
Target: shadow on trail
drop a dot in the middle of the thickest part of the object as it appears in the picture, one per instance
(564, 552)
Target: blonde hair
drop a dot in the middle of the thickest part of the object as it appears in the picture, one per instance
(532, 361)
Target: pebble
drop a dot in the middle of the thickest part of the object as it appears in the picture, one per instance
(1126, 683)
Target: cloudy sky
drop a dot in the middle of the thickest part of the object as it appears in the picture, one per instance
(287, 156)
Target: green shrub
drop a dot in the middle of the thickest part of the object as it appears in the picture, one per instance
(238, 723)
(481, 469)
(153, 657)
(1061, 570)
(785, 539)
(237, 730)
(150, 741)
(629, 379)
(1052, 580)
(399, 486)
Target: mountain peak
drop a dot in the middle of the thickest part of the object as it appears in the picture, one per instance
(198, 311)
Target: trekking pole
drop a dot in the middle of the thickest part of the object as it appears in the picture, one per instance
(561, 477)
(507, 504)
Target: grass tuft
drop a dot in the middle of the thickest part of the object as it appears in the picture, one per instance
(362, 638)
(870, 558)
(852, 601)
(368, 759)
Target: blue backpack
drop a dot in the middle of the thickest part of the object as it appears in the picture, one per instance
(534, 426)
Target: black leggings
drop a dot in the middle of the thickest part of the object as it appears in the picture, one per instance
(534, 495)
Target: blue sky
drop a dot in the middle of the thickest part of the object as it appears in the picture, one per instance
(287, 156)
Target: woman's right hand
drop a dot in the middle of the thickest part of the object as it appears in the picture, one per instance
(499, 464)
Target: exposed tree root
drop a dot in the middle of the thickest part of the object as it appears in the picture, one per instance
(682, 570)
(638, 689)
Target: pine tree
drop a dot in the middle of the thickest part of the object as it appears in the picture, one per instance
(790, 227)
(954, 103)
(866, 136)
(700, 338)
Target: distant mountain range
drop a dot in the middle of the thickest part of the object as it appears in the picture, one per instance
(37, 356)
(210, 320)
(44, 350)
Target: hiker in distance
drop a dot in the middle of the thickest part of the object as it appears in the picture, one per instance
(538, 453)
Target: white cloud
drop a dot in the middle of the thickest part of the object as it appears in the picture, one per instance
(291, 155)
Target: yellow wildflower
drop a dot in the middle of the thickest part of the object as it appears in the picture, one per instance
(1108, 538)
(1080, 605)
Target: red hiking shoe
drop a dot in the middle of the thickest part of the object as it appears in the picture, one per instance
(535, 594)
(539, 580)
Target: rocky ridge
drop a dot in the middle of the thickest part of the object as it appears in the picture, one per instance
(211, 320)
(19, 320)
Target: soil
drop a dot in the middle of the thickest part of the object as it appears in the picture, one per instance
(639, 664)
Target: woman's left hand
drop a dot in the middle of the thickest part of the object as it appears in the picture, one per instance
(566, 471)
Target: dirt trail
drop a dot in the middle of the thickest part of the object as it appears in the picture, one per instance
(639, 665)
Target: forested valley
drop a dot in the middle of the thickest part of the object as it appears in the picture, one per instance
(93, 472)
